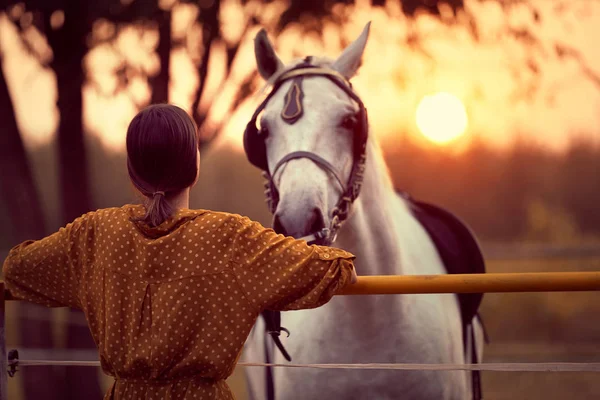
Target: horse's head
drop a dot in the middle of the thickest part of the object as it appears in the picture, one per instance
(309, 128)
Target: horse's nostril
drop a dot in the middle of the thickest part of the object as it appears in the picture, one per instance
(278, 226)
(318, 221)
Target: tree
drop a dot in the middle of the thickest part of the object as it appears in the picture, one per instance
(21, 197)
(160, 82)
(16, 178)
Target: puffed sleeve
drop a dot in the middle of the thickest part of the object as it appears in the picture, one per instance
(48, 271)
(281, 273)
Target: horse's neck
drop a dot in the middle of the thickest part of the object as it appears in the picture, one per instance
(371, 231)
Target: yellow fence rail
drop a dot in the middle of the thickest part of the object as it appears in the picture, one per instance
(476, 283)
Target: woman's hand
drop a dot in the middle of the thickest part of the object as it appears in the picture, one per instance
(353, 277)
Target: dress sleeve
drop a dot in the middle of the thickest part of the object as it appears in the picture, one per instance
(281, 273)
(48, 271)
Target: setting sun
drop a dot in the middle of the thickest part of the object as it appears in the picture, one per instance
(441, 117)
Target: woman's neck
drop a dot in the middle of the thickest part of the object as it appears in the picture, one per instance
(180, 200)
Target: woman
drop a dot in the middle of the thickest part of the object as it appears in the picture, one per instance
(170, 294)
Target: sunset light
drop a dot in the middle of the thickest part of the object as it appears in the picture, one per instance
(441, 117)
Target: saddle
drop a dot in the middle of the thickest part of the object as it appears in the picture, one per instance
(461, 254)
(456, 245)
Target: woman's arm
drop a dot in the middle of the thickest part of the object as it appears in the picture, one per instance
(48, 271)
(280, 273)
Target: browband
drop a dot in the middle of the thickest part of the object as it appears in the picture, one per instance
(311, 71)
(339, 80)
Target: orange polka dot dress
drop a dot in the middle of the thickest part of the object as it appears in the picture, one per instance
(171, 306)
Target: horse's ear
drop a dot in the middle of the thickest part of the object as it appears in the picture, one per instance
(351, 58)
(266, 60)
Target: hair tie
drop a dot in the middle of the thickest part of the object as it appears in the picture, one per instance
(160, 192)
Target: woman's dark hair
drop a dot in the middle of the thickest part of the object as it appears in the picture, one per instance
(162, 156)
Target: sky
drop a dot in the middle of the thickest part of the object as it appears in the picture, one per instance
(493, 76)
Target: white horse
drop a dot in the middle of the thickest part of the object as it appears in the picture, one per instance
(386, 239)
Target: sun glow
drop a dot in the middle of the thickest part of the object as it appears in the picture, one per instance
(441, 117)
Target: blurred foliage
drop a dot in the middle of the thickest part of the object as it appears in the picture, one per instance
(317, 10)
(550, 224)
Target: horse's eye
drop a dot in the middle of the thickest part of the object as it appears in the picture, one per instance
(264, 129)
(349, 122)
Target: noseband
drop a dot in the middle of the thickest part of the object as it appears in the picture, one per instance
(255, 148)
(320, 161)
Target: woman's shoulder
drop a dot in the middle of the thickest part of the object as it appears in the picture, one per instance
(98, 214)
(225, 217)
(111, 213)
(115, 212)
(229, 220)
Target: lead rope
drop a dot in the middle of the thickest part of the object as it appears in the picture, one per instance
(273, 328)
(475, 375)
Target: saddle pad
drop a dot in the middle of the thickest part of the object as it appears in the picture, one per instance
(457, 247)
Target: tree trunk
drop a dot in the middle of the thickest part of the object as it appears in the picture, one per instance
(16, 179)
(21, 197)
(160, 82)
(209, 18)
(69, 46)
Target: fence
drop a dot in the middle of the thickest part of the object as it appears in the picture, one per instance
(415, 284)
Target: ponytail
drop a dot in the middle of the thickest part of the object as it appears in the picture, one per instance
(158, 209)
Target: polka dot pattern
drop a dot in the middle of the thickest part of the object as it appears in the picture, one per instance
(170, 307)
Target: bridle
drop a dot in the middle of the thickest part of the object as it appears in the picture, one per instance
(255, 147)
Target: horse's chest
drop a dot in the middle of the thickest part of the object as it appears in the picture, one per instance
(380, 329)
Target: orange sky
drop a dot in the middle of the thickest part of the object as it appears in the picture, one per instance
(392, 81)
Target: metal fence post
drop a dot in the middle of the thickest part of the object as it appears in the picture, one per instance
(3, 360)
